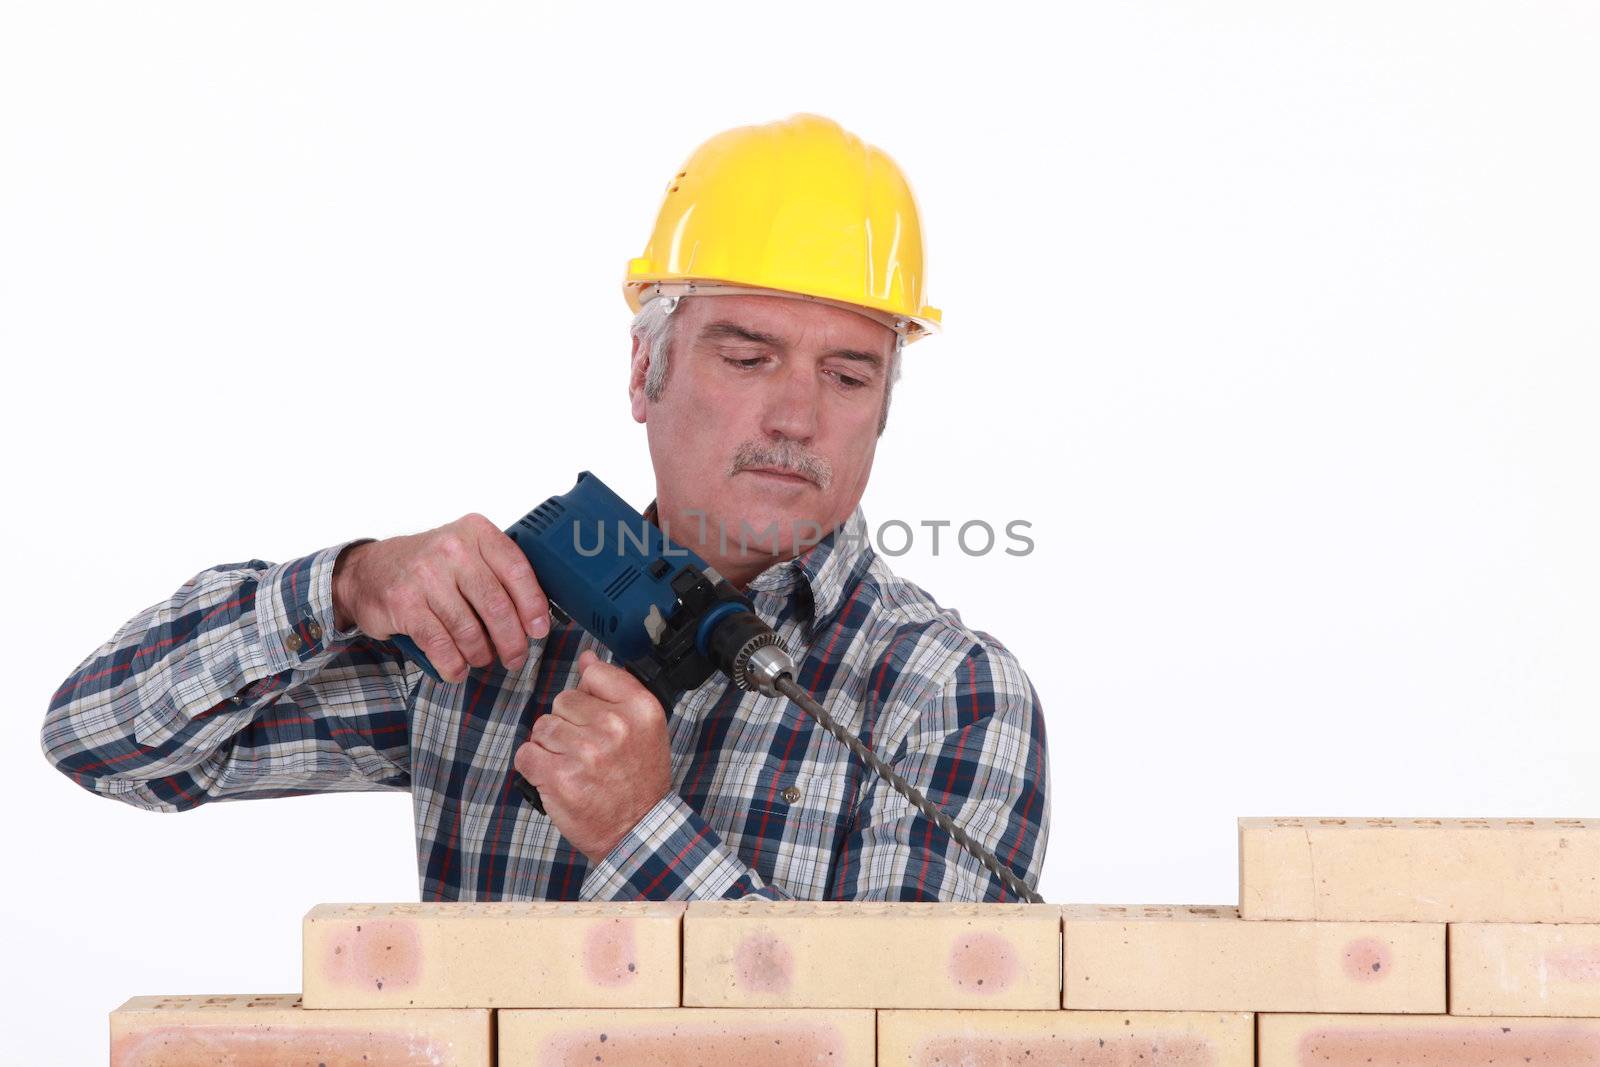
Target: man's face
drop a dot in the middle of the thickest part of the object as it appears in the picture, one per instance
(769, 415)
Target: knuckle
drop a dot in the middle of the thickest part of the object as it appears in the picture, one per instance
(500, 609)
(596, 757)
(616, 729)
(456, 621)
(430, 574)
(521, 576)
(474, 650)
(518, 569)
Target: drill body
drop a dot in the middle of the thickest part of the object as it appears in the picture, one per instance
(665, 614)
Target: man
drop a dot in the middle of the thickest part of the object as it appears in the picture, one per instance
(782, 281)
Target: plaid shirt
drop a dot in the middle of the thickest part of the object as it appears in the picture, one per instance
(239, 686)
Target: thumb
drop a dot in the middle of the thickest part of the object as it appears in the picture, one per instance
(606, 680)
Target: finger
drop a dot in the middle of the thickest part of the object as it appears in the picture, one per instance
(543, 769)
(556, 735)
(515, 573)
(436, 643)
(606, 680)
(463, 624)
(601, 723)
(580, 709)
(484, 592)
(533, 762)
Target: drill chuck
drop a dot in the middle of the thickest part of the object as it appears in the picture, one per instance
(744, 648)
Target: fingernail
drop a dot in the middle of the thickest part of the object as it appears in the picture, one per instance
(517, 663)
(540, 627)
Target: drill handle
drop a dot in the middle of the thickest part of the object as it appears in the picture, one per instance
(529, 791)
(664, 696)
(415, 655)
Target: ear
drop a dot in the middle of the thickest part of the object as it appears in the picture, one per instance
(638, 367)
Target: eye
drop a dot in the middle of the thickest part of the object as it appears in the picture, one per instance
(745, 364)
(847, 381)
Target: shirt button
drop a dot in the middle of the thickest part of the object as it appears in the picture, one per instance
(314, 628)
(292, 642)
(792, 794)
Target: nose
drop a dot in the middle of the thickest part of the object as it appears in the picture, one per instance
(791, 404)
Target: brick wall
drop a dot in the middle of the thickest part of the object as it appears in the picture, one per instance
(1356, 943)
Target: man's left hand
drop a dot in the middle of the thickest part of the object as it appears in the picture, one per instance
(599, 757)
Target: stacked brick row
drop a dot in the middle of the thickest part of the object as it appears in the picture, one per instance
(1356, 943)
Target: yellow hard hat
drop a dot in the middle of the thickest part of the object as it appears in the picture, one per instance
(799, 207)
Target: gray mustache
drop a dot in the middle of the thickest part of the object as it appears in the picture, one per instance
(785, 456)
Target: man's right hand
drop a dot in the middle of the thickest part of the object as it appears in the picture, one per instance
(442, 589)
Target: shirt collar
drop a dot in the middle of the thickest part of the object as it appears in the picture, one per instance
(822, 572)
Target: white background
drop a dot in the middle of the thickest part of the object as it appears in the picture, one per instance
(1278, 322)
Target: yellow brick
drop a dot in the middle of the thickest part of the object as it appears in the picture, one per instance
(1066, 1038)
(871, 955)
(273, 1029)
(1524, 969)
(1420, 870)
(1426, 1041)
(511, 955)
(660, 1037)
(1208, 959)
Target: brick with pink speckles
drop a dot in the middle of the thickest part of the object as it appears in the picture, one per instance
(541, 954)
(686, 1037)
(754, 953)
(1524, 969)
(1208, 959)
(1065, 1039)
(273, 1030)
(1426, 1041)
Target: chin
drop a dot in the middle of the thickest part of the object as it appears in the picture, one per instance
(794, 518)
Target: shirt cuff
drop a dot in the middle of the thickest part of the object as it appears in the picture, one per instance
(670, 854)
(294, 611)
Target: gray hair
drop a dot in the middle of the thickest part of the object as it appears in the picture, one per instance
(654, 326)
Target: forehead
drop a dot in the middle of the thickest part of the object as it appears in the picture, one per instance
(789, 319)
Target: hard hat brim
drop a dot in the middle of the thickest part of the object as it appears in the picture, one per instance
(640, 292)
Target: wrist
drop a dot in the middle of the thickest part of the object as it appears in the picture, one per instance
(600, 848)
(344, 585)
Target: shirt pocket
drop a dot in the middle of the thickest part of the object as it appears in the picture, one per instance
(809, 796)
(799, 793)
(815, 817)
(786, 822)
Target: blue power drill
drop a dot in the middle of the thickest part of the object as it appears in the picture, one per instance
(671, 620)
(665, 614)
